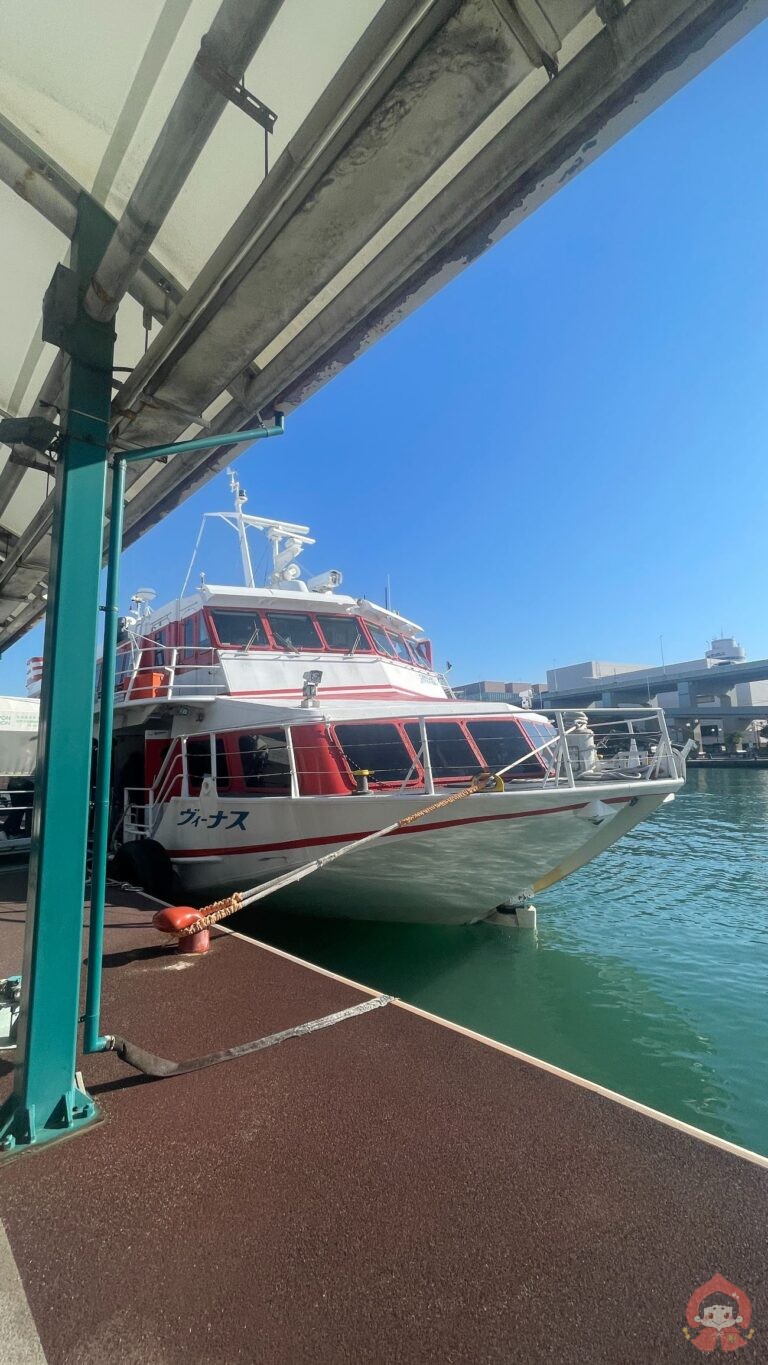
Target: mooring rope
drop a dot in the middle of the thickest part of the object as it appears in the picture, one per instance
(222, 909)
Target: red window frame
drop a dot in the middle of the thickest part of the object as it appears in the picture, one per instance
(372, 625)
(395, 784)
(238, 779)
(122, 676)
(320, 648)
(516, 721)
(396, 637)
(195, 652)
(419, 660)
(216, 640)
(461, 721)
(188, 626)
(160, 643)
(392, 635)
(224, 779)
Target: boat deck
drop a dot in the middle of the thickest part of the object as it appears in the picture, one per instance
(389, 1189)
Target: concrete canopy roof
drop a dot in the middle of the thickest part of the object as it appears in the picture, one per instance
(410, 135)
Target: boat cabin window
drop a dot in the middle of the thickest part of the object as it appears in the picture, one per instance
(240, 629)
(345, 633)
(382, 641)
(266, 762)
(199, 763)
(502, 742)
(203, 638)
(390, 643)
(451, 753)
(540, 732)
(401, 648)
(163, 639)
(421, 652)
(380, 748)
(123, 666)
(293, 631)
(188, 635)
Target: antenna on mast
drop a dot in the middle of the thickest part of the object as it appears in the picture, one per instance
(241, 497)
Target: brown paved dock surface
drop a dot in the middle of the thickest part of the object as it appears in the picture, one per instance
(388, 1190)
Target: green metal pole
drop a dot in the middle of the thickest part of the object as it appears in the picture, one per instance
(46, 1102)
(92, 1041)
(207, 442)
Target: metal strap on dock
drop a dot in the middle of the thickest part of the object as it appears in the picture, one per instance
(161, 1067)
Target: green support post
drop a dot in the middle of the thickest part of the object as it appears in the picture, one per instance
(46, 1102)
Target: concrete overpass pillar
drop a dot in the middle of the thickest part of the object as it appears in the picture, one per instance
(684, 698)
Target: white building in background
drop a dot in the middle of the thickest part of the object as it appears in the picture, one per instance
(725, 650)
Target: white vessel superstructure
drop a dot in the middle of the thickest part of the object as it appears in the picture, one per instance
(257, 726)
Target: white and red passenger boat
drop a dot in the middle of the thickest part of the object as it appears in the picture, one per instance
(258, 726)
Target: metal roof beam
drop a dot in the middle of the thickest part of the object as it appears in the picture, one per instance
(231, 42)
(390, 42)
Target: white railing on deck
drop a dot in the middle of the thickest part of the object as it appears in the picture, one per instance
(187, 671)
(612, 744)
(588, 748)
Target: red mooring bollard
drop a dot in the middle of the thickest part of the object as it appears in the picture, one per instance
(175, 917)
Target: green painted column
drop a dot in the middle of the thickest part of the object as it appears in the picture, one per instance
(45, 1102)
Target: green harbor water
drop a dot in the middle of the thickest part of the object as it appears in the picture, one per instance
(647, 974)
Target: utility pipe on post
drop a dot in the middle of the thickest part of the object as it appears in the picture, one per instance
(229, 46)
(92, 1042)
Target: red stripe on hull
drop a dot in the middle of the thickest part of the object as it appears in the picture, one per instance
(363, 834)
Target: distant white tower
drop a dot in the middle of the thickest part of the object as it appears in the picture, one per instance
(726, 651)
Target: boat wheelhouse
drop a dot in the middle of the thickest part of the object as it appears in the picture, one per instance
(258, 726)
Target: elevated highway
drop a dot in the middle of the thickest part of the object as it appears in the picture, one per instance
(627, 689)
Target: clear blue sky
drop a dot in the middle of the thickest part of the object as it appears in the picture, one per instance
(562, 455)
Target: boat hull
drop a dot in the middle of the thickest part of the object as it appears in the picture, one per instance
(450, 870)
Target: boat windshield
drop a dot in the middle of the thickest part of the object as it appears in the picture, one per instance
(499, 741)
(344, 633)
(377, 748)
(239, 629)
(382, 641)
(451, 753)
(541, 732)
(420, 651)
(502, 742)
(292, 631)
(401, 649)
(266, 761)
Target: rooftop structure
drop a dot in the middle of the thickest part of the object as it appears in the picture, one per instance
(725, 650)
(518, 693)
